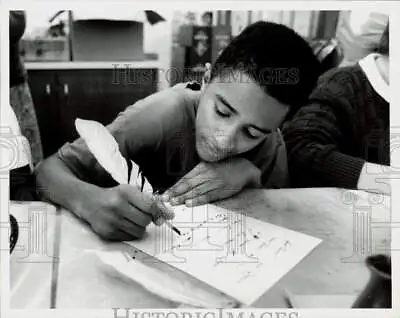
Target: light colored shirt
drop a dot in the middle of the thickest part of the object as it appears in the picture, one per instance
(158, 134)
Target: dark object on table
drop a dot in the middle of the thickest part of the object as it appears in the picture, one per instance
(378, 292)
(14, 232)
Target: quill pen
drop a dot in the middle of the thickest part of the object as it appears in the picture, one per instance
(106, 150)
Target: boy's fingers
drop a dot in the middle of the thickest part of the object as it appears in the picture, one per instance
(142, 200)
(148, 204)
(184, 185)
(211, 196)
(199, 190)
(130, 228)
(135, 216)
(159, 221)
(161, 210)
(201, 200)
(185, 190)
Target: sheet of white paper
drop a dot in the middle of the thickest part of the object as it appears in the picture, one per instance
(234, 253)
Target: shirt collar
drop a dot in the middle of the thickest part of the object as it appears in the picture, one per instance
(369, 67)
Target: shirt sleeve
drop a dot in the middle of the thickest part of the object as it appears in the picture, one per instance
(271, 158)
(316, 136)
(138, 130)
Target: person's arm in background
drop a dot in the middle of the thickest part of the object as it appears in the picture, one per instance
(316, 138)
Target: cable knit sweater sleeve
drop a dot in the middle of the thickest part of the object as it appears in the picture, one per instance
(320, 134)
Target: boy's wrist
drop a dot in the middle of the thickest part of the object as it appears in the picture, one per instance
(254, 180)
(85, 193)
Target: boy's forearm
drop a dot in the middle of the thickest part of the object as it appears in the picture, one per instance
(58, 184)
(254, 174)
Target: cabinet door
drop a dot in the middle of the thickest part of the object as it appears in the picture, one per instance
(101, 94)
(45, 97)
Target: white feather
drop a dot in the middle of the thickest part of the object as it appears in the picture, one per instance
(104, 147)
(137, 181)
(106, 150)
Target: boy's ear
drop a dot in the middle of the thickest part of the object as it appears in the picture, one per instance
(206, 76)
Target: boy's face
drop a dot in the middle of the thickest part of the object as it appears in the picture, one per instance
(234, 116)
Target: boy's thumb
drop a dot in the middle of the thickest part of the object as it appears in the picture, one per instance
(161, 212)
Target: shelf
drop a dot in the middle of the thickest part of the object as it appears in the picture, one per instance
(92, 65)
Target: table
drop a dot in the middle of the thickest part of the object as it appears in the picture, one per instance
(335, 267)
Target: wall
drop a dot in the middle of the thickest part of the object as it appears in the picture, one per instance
(304, 22)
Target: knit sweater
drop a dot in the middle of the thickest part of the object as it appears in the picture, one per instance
(345, 124)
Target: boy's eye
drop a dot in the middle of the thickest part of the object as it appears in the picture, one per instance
(254, 133)
(222, 110)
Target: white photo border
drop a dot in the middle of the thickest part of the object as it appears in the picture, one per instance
(392, 7)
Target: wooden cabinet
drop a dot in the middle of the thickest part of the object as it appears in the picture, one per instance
(46, 100)
(62, 95)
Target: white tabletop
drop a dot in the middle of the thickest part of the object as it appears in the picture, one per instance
(333, 268)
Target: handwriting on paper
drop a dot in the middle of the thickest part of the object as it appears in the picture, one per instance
(239, 255)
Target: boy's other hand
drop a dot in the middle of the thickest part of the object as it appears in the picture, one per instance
(209, 182)
(121, 213)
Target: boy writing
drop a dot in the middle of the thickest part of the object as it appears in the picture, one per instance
(225, 137)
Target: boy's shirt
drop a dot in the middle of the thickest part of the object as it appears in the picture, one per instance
(158, 134)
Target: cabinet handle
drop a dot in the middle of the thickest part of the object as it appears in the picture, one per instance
(66, 89)
(48, 89)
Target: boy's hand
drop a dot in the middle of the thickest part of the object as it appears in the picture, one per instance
(209, 182)
(121, 213)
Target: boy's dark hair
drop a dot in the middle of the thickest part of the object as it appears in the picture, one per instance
(274, 56)
(383, 47)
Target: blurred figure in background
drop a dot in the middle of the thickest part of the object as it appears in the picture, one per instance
(341, 138)
(359, 33)
(20, 96)
(207, 18)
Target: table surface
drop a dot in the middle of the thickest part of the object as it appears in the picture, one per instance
(76, 279)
